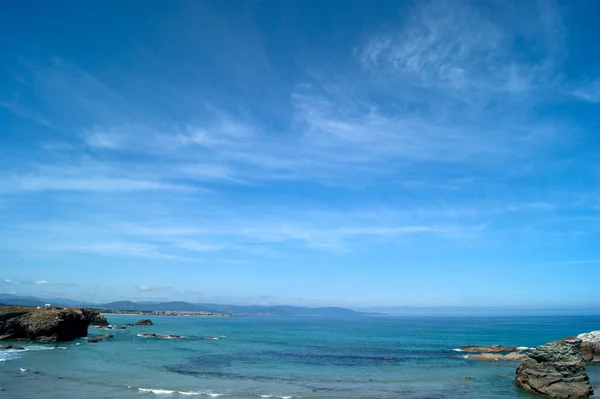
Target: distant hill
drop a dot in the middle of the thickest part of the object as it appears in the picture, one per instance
(10, 299)
(238, 310)
(234, 310)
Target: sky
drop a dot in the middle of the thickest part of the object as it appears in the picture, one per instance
(412, 153)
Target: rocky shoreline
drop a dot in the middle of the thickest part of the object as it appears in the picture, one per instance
(556, 369)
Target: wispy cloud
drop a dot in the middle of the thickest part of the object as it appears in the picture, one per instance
(460, 46)
(10, 281)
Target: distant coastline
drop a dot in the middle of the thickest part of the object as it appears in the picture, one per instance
(160, 313)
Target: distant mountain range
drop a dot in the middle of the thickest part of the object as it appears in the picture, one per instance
(234, 310)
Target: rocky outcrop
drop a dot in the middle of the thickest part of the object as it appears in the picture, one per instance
(144, 322)
(556, 369)
(590, 346)
(489, 349)
(95, 318)
(44, 325)
(99, 338)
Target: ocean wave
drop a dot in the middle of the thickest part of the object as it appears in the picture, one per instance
(175, 392)
(275, 396)
(10, 354)
(524, 348)
(457, 350)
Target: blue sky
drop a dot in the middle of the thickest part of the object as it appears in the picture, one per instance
(344, 153)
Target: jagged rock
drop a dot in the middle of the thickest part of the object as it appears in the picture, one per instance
(44, 325)
(16, 347)
(144, 322)
(555, 369)
(590, 346)
(489, 348)
(96, 319)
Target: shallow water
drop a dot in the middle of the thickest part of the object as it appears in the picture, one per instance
(369, 357)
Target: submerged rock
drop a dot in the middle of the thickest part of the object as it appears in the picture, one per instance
(171, 336)
(144, 322)
(99, 338)
(555, 369)
(489, 348)
(590, 346)
(147, 335)
(11, 346)
(497, 356)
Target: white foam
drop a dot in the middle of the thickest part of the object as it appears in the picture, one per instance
(36, 348)
(184, 393)
(524, 348)
(458, 350)
(156, 391)
(22, 369)
(266, 396)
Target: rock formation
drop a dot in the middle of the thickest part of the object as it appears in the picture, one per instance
(144, 322)
(47, 325)
(44, 325)
(99, 338)
(489, 349)
(95, 318)
(590, 346)
(555, 369)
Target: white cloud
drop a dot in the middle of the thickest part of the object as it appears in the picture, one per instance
(9, 281)
(147, 288)
(42, 282)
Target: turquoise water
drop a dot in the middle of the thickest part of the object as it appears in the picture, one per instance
(369, 357)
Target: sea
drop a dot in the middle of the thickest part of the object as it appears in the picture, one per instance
(285, 358)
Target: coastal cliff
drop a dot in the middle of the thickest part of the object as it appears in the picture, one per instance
(590, 346)
(556, 369)
(46, 325)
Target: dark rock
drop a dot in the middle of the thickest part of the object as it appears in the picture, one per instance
(147, 335)
(466, 378)
(44, 325)
(120, 328)
(16, 347)
(489, 348)
(129, 325)
(556, 369)
(95, 318)
(99, 338)
(144, 322)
